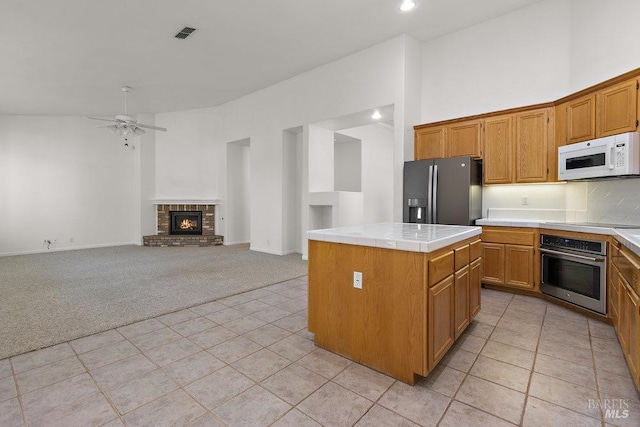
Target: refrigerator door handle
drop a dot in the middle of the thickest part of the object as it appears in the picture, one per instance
(429, 194)
(435, 195)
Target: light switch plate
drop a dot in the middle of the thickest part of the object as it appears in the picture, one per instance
(357, 280)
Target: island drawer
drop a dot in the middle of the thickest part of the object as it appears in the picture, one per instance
(440, 267)
(475, 250)
(461, 256)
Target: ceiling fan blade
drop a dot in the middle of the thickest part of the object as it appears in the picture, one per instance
(99, 118)
(140, 125)
(137, 131)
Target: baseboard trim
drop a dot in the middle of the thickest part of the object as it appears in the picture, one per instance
(242, 242)
(70, 248)
(267, 251)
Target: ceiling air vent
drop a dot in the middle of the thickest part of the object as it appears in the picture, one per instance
(185, 32)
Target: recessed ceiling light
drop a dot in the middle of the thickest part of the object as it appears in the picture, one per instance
(407, 5)
(376, 115)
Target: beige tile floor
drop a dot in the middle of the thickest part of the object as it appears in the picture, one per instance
(248, 360)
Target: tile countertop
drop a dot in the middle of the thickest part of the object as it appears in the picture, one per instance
(398, 236)
(630, 237)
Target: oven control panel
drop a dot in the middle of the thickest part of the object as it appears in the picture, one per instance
(590, 246)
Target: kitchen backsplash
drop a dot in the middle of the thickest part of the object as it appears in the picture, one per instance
(614, 201)
(611, 201)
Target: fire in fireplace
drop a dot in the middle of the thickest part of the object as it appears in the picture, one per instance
(186, 222)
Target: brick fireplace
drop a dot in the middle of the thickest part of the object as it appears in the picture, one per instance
(205, 214)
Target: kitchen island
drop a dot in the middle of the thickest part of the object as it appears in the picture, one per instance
(392, 296)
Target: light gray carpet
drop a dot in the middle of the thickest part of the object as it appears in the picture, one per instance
(55, 297)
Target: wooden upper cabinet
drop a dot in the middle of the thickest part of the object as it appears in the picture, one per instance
(498, 150)
(463, 139)
(617, 109)
(429, 143)
(531, 145)
(581, 119)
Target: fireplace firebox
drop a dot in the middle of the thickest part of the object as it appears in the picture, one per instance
(186, 222)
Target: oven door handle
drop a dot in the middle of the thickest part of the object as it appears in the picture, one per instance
(587, 258)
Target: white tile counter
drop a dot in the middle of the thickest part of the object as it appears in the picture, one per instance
(398, 236)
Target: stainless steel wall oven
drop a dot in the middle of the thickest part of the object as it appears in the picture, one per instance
(574, 270)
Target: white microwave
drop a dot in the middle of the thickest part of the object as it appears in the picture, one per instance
(611, 156)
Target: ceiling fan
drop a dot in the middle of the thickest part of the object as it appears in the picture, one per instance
(126, 125)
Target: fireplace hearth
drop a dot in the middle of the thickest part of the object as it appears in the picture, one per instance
(186, 222)
(185, 225)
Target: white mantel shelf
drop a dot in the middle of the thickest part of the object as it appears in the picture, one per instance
(186, 201)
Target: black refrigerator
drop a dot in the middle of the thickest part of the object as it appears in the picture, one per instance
(443, 191)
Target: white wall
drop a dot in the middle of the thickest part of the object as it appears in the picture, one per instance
(348, 165)
(377, 171)
(517, 59)
(321, 159)
(604, 40)
(184, 165)
(292, 190)
(367, 79)
(239, 197)
(61, 178)
(536, 54)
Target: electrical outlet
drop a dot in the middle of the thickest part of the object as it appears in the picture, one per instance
(357, 280)
(525, 200)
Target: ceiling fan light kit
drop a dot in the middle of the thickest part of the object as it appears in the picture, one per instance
(125, 125)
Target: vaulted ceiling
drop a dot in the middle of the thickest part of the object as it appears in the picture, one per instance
(70, 57)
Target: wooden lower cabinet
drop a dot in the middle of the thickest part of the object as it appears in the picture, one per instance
(633, 302)
(461, 292)
(518, 266)
(629, 326)
(441, 320)
(508, 265)
(626, 280)
(623, 314)
(509, 257)
(613, 298)
(475, 287)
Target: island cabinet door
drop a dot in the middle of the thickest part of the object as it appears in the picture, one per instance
(475, 287)
(461, 306)
(441, 317)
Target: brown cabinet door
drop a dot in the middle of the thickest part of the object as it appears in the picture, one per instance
(498, 150)
(518, 266)
(531, 140)
(463, 139)
(612, 296)
(461, 293)
(581, 119)
(634, 334)
(475, 287)
(429, 143)
(624, 306)
(493, 263)
(441, 328)
(617, 109)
